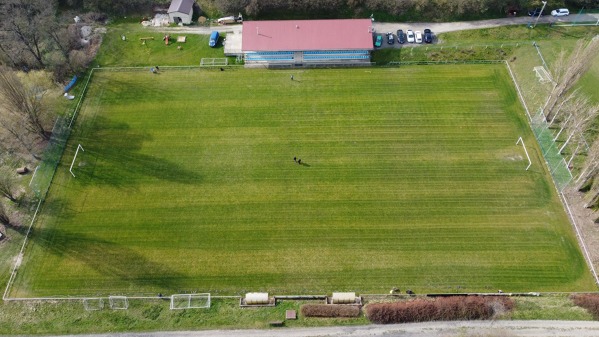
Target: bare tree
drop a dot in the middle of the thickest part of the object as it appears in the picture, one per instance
(22, 105)
(23, 29)
(7, 185)
(5, 217)
(566, 72)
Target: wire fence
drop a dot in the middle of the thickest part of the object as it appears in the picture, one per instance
(562, 176)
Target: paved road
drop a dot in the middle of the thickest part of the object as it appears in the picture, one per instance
(431, 329)
(443, 27)
(394, 26)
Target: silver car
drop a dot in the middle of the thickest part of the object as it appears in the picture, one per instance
(418, 35)
(410, 35)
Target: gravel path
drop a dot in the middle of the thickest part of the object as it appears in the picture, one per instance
(430, 329)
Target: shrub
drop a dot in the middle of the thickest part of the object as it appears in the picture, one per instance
(589, 302)
(440, 309)
(328, 310)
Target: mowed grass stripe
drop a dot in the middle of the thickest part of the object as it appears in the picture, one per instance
(412, 179)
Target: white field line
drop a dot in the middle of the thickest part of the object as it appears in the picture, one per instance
(33, 176)
(519, 92)
(527, 156)
(580, 238)
(91, 73)
(20, 256)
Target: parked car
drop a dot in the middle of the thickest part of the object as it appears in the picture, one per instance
(560, 12)
(418, 36)
(428, 36)
(213, 39)
(410, 36)
(401, 37)
(390, 38)
(535, 12)
(378, 41)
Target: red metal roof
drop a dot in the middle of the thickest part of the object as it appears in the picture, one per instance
(296, 35)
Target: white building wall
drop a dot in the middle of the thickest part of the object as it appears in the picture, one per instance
(185, 17)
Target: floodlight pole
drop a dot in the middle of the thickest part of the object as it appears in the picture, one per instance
(525, 151)
(541, 13)
(75, 157)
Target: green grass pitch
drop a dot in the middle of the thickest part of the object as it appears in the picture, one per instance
(411, 178)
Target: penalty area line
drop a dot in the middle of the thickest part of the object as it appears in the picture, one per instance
(75, 157)
(525, 151)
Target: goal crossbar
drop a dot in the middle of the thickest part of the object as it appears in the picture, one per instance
(190, 301)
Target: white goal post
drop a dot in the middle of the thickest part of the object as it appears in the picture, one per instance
(190, 301)
(213, 62)
(93, 303)
(525, 151)
(74, 158)
(118, 302)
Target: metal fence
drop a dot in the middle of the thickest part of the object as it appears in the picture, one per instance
(562, 176)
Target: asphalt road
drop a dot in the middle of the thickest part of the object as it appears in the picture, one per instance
(436, 27)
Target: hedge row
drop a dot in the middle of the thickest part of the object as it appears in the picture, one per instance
(330, 310)
(589, 302)
(440, 309)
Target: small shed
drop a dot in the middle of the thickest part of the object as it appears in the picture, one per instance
(181, 11)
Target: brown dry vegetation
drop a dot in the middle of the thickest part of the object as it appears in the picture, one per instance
(589, 302)
(440, 309)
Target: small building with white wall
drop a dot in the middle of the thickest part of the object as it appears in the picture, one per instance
(181, 11)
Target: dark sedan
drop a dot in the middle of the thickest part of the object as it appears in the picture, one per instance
(428, 36)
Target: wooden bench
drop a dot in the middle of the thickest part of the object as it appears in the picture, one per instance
(276, 323)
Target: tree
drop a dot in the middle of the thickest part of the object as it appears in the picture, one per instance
(7, 187)
(22, 105)
(5, 218)
(566, 73)
(24, 30)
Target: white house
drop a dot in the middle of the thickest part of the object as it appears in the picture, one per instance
(181, 11)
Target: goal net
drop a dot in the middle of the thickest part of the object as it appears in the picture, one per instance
(213, 62)
(118, 302)
(190, 301)
(91, 304)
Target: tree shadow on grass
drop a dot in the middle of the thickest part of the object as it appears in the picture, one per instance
(113, 157)
(128, 268)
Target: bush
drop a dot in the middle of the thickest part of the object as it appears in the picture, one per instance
(330, 310)
(440, 309)
(589, 302)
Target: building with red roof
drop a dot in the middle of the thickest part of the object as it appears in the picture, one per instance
(307, 42)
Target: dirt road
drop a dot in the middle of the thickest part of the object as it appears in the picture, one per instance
(431, 329)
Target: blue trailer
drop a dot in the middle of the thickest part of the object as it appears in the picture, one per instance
(213, 39)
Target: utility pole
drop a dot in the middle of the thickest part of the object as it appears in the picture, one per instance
(541, 13)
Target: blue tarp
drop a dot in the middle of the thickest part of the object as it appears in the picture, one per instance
(71, 84)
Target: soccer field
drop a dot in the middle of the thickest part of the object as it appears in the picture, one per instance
(410, 178)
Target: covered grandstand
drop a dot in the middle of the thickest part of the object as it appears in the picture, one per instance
(299, 43)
